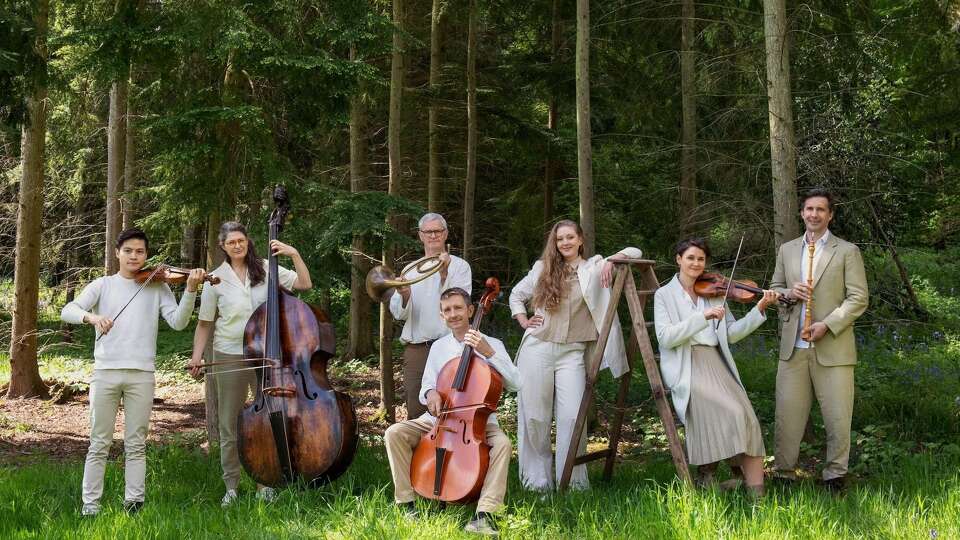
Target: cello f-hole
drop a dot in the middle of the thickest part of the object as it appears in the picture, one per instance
(303, 384)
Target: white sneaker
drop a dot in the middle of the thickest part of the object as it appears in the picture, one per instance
(90, 509)
(228, 498)
(266, 494)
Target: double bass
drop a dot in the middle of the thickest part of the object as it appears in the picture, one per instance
(451, 460)
(298, 428)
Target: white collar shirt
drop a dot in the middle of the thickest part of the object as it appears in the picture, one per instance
(422, 312)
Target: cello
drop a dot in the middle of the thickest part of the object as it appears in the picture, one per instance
(298, 428)
(451, 460)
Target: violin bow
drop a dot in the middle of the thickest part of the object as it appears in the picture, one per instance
(143, 286)
(730, 282)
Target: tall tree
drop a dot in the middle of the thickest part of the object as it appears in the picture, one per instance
(393, 151)
(25, 378)
(116, 148)
(552, 165)
(688, 149)
(436, 50)
(470, 186)
(128, 207)
(783, 152)
(359, 344)
(584, 149)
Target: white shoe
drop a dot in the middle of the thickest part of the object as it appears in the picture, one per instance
(266, 494)
(228, 498)
(90, 509)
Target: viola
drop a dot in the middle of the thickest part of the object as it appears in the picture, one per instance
(170, 275)
(745, 291)
(451, 460)
(298, 427)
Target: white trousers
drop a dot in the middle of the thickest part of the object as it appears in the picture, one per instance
(554, 377)
(107, 389)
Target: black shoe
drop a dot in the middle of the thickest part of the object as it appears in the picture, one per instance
(836, 486)
(484, 524)
(132, 507)
(409, 510)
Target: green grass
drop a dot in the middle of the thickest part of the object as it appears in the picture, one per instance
(41, 500)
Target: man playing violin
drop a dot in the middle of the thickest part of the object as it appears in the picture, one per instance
(124, 353)
(417, 306)
(401, 439)
(817, 359)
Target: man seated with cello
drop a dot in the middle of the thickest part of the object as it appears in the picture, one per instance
(401, 439)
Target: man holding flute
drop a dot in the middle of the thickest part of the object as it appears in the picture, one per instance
(817, 347)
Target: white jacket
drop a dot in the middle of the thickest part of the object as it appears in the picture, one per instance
(674, 334)
(595, 296)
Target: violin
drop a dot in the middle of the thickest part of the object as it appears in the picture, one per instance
(298, 427)
(745, 291)
(170, 275)
(451, 460)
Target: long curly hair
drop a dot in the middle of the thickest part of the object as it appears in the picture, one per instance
(551, 285)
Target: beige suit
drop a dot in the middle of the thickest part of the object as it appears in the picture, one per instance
(825, 370)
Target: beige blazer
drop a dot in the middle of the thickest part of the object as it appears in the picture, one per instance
(839, 296)
(596, 297)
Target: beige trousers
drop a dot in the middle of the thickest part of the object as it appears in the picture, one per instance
(414, 362)
(232, 391)
(798, 380)
(107, 389)
(401, 440)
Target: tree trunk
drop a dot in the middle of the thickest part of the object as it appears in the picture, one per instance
(360, 344)
(128, 206)
(393, 151)
(25, 378)
(433, 186)
(552, 165)
(116, 146)
(470, 186)
(782, 145)
(584, 151)
(688, 152)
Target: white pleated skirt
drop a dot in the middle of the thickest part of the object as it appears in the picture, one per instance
(721, 422)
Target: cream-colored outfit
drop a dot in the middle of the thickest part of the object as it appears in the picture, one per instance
(402, 438)
(826, 369)
(230, 304)
(551, 360)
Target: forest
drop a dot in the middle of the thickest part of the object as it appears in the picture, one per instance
(645, 121)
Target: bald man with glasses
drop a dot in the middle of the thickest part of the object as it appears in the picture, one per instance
(419, 306)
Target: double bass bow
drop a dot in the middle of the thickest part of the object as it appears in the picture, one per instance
(451, 460)
(298, 428)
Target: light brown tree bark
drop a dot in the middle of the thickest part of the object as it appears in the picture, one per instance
(128, 204)
(393, 151)
(552, 166)
(470, 186)
(360, 343)
(25, 378)
(433, 167)
(688, 90)
(782, 143)
(116, 148)
(584, 149)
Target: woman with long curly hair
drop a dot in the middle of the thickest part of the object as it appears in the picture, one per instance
(224, 311)
(569, 296)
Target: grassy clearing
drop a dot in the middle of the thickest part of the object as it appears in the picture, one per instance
(918, 499)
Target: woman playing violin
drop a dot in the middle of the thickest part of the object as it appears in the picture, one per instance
(694, 334)
(224, 310)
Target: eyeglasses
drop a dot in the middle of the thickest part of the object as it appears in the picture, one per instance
(236, 243)
(433, 232)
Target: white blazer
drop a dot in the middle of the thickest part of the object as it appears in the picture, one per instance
(674, 334)
(595, 296)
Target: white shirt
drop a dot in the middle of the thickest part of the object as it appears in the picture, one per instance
(688, 308)
(422, 312)
(449, 348)
(804, 262)
(132, 342)
(231, 303)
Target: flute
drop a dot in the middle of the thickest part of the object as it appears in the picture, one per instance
(808, 320)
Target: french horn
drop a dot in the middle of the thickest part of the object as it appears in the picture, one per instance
(382, 282)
